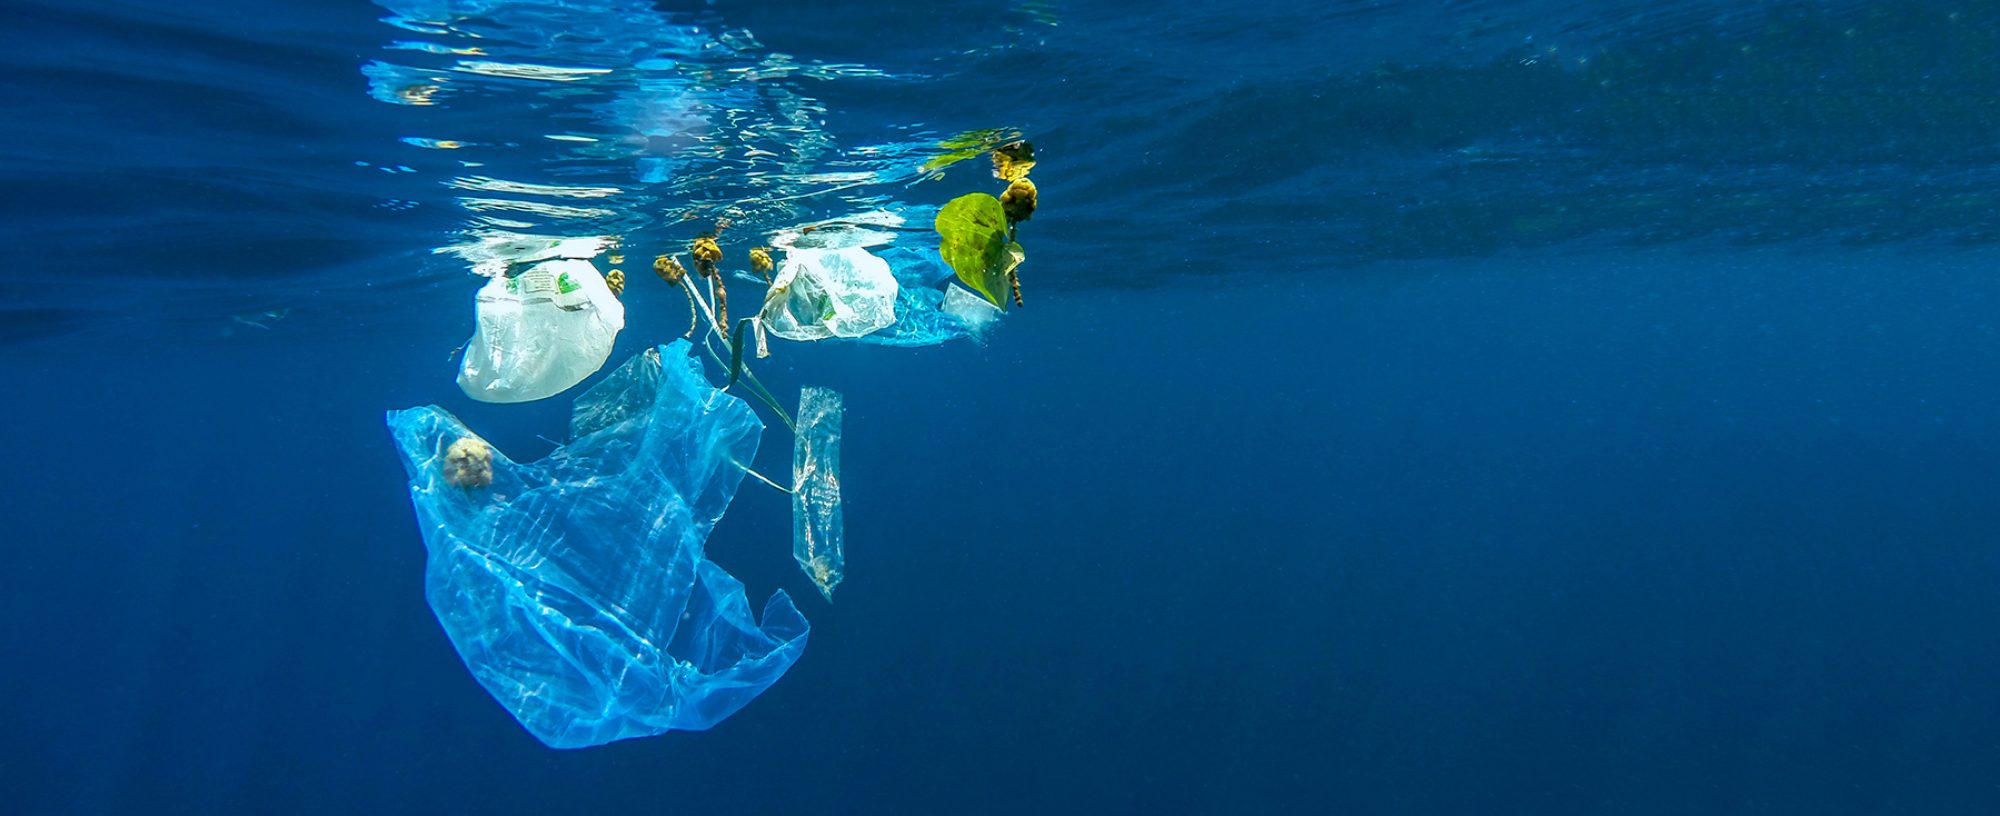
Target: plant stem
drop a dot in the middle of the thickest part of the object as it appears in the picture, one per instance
(756, 387)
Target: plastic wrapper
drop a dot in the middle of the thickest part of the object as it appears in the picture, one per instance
(929, 310)
(824, 293)
(971, 311)
(817, 534)
(540, 332)
(576, 588)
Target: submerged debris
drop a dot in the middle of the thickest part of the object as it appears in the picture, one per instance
(540, 331)
(581, 598)
(468, 463)
(818, 535)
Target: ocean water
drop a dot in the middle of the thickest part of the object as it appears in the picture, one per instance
(1431, 407)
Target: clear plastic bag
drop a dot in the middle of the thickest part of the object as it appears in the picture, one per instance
(540, 332)
(818, 535)
(823, 293)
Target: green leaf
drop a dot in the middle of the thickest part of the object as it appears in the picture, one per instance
(736, 352)
(974, 241)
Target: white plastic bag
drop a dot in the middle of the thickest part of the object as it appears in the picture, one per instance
(822, 293)
(540, 332)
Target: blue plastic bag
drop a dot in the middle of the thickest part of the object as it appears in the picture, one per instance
(929, 310)
(575, 587)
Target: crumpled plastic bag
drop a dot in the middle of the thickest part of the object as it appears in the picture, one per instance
(929, 310)
(575, 587)
(823, 293)
(540, 332)
(972, 311)
(818, 535)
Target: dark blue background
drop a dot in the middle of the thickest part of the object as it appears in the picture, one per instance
(1689, 513)
(1605, 535)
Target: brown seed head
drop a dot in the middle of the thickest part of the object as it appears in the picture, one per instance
(1019, 201)
(468, 463)
(669, 269)
(705, 250)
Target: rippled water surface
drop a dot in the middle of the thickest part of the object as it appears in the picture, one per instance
(1456, 406)
(362, 137)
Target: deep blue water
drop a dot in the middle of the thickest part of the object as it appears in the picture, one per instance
(1437, 407)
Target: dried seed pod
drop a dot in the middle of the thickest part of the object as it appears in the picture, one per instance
(1018, 203)
(669, 269)
(760, 262)
(616, 280)
(705, 251)
(706, 255)
(468, 463)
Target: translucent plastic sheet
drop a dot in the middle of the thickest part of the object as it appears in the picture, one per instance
(971, 311)
(817, 535)
(822, 293)
(929, 310)
(540, 332)
(575, 587)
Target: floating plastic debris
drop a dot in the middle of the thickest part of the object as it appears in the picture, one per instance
(929, 311)
(817, 534)
(972, 311)
(576, 587)
(820, 294)
(540, 332)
